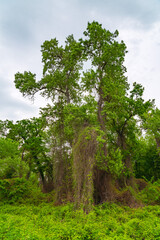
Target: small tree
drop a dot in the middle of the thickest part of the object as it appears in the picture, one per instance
(10, 160)
(152, 125)
(31, 137)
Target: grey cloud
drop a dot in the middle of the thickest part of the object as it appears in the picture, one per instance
(24, 21)
(145, 11)
(14, 109)
(19, 20)
(13, 25)
(10, 105)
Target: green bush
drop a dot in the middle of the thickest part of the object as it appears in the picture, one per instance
(150, 194)
(10, 160)
(13, 190)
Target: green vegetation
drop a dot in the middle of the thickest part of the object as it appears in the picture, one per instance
(106, 221)
(96, 145)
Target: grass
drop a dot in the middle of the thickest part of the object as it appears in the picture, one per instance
(106, 221)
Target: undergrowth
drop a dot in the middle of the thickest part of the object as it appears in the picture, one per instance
(27, 213)
(106, 221)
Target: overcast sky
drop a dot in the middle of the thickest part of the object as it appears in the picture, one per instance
(26, 24)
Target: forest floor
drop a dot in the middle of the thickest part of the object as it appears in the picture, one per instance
(106, 221)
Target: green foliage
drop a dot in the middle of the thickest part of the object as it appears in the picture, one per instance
(115, 163)
(151, 193)
(13, 190)
(152, 122)
(12, 167)
(20, 190)
(31, 136)
(8, 148)
(10, 161)
(104, 222)
(26, 83)
(146, 158)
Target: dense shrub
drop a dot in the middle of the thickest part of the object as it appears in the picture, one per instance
(13, 189)
(151, 193)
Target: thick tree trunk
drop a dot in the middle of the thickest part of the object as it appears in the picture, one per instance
(41, 173)
(103, 187)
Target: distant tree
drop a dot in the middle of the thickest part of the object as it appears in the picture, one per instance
(146, 158)
(31, 137)
(152, 125)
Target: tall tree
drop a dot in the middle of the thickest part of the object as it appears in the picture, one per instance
(107, 82)
(87, 102)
